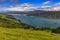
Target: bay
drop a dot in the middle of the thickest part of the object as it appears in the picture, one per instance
(39, 21)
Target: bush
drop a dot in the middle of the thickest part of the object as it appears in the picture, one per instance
(57, 30)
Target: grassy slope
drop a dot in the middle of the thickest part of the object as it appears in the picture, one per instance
(20, 33)
(25, 34)
(8, 21)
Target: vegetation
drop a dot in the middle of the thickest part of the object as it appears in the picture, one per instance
(13, 29)
(10, 22)
(57, 30)
(25, 34)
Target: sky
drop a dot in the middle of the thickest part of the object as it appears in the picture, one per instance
(40, 2)
(28, 5)
(35, 2)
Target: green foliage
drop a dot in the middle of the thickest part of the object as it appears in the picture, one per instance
(57, 30)
(8, 21)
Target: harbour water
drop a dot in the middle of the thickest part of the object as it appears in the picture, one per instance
(39, 21)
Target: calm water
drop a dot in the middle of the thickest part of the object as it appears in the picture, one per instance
(39, 21)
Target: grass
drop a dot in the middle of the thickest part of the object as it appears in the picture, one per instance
(26, 34)
(8, 31)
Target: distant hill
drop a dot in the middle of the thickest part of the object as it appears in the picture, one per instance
(47, 14)
(39, 13)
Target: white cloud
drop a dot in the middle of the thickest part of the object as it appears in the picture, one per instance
(27, 5)
(47, 2)
(31, 7)
(52, 8)
(22, 7)
(45, 6)
(57, 3)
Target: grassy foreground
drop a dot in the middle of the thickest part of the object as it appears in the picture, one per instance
(26, 34)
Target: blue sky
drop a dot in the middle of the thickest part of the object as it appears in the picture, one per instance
(35, 2)
(27, 5)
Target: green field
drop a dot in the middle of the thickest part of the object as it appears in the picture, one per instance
(26, 34)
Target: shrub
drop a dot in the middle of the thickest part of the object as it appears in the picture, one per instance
(57, 30)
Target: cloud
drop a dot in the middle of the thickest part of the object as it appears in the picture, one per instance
(50, 8)
(30, 7)
(45, 6)
(47, 2)
(57, 3)
(22, 7)
(27, 5)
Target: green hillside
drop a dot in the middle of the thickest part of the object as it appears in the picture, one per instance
(10, 22)
(13, 29)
